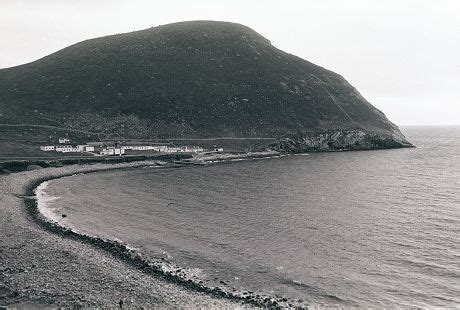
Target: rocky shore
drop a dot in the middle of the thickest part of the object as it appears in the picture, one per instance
(41, 268)
(221, 157)
(353, 139)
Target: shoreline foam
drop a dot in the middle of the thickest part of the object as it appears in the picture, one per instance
(152, 266)
(41, 268)
(18, 291)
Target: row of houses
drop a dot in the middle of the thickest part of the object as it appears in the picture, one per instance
(67, 148)
(163, 148)
(119, 150)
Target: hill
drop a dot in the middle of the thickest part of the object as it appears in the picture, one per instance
(199, 79)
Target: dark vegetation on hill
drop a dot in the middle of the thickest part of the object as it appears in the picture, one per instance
(188, 80)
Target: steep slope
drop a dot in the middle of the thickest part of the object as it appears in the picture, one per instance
(189, 79)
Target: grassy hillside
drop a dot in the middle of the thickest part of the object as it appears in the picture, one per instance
(189, 80)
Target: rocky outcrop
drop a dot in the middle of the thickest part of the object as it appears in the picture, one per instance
(340, 140)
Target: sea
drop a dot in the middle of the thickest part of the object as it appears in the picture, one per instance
(374, 229)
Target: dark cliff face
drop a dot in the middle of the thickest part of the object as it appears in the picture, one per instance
(190, 79)
(352, 139)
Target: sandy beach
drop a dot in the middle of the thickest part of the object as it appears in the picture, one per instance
(39, 268)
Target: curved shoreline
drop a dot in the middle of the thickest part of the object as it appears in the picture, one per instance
(44, 265)
(123, 253)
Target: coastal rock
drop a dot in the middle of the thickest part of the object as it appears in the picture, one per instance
(340, 140)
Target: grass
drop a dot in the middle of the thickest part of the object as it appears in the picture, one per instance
(196, 79)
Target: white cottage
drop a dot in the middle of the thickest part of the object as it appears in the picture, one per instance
(112, 151)
(67, 149)
(47, 148)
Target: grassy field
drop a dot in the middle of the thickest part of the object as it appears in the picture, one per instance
(22, 142)
(20, 147)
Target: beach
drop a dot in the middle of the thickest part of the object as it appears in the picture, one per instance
(40, 268)
(290, 230)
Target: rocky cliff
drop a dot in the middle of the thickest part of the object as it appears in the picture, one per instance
(339, 140)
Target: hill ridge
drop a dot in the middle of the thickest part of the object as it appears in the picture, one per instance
(186, 80)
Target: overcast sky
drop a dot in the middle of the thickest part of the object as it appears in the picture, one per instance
(402, 55)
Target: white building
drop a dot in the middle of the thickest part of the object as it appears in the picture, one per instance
(142, 147)
(160, 148)
(194, 149)
(118, 151)
(112, 151)
(85, 148)
(64, 140)
(163, 148)
(107, 152)
(169, 149)
(47, 148)
(67, 149)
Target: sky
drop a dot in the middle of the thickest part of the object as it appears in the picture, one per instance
(402, 55)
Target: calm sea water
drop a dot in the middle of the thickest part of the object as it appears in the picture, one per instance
(376, 228)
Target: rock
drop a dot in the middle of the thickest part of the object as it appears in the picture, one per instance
(340, 140)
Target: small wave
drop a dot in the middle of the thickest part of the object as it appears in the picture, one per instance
(301, 284)
(189, 277)
(321, 293)
(44, 202)
(431, 268)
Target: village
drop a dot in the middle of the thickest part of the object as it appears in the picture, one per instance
(119, 149)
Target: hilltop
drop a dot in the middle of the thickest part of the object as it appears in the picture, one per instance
(200, 79)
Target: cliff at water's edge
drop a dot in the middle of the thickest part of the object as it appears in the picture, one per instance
(199, 79)
(353, 139)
